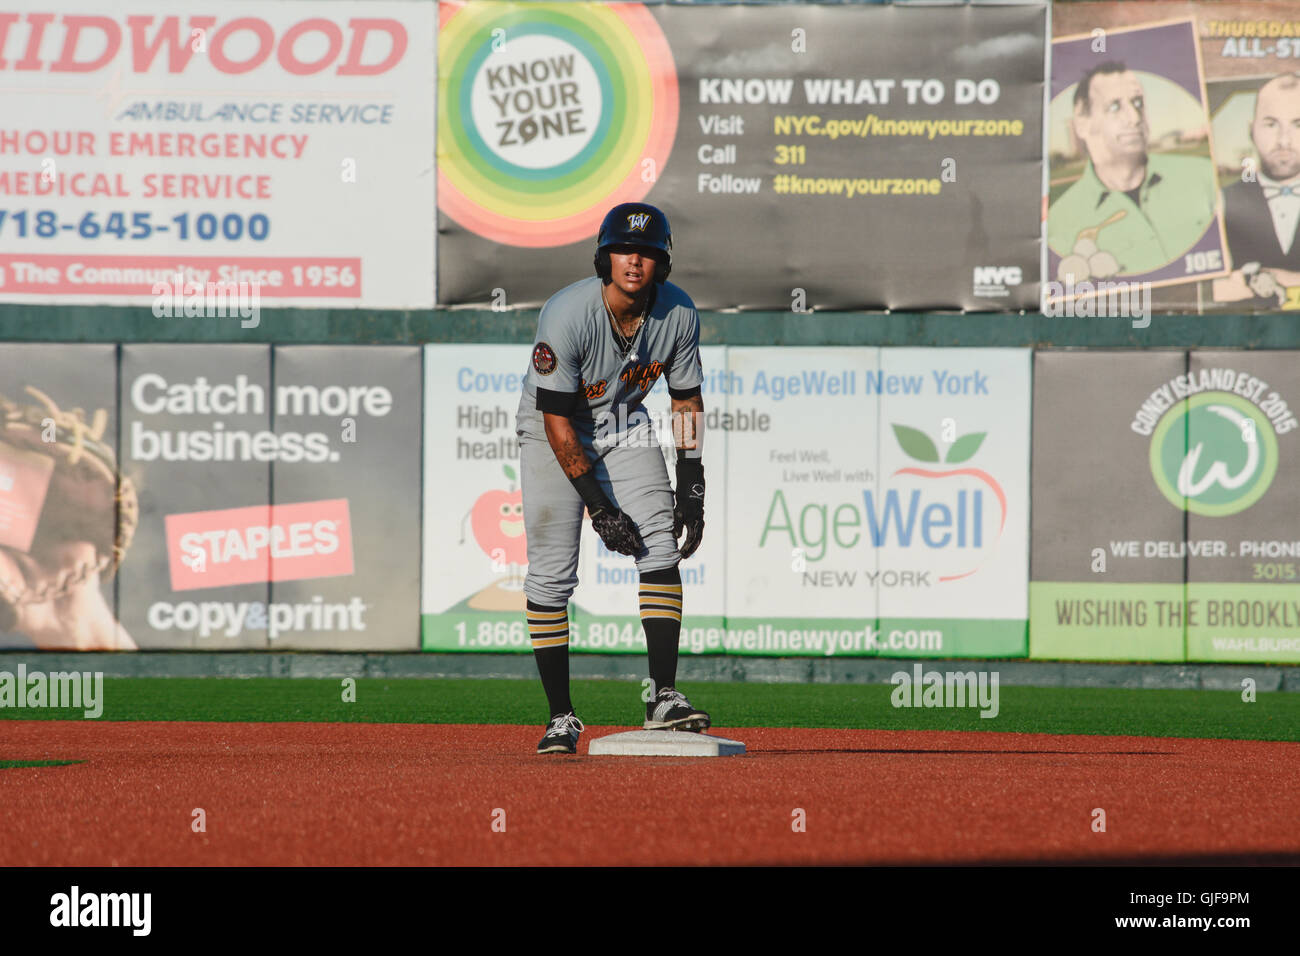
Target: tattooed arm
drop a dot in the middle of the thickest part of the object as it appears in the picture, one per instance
(565, 444)
(688, 425)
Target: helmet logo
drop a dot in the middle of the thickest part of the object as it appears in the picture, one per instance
(638, 221)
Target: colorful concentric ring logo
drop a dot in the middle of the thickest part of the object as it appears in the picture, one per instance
(549, 114)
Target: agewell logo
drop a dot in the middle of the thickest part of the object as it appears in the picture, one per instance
(959, 512)
(548, 114)
(966, 521)
(1214, 439)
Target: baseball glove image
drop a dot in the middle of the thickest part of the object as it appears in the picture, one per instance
(50, 590)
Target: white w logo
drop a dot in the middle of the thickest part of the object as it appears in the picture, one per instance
(638, 220)
(1218, 473)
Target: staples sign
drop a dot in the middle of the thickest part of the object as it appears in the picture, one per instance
(310, 539)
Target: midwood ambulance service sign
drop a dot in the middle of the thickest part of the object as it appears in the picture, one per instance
(263, 143)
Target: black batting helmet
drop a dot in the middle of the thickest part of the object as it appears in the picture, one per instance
(635, 224)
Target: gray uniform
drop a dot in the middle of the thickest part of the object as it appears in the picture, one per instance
(577, 349)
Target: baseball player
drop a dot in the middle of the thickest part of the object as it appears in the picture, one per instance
(586, 441)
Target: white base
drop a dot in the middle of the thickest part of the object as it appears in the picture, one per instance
(664, 743)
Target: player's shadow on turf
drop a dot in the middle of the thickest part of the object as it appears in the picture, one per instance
(899, 750)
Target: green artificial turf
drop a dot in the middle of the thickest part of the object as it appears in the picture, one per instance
(13, 764)
(1147, 713)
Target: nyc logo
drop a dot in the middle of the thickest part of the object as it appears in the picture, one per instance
(638, 221)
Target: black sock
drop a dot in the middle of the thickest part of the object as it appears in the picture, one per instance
(549, 629)
(661, 616)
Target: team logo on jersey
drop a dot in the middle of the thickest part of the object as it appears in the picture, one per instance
(594, 391)
(543, 359)
(638, 221)
(642, 376)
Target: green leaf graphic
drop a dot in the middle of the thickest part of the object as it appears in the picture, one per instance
(965, 447)
(510, 472)
(916, 443)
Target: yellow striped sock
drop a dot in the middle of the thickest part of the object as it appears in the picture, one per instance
(661, 601)
(548, 628)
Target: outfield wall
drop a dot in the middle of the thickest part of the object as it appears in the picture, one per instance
(862, 502)
(991, 461)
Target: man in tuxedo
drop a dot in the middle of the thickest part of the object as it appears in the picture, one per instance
(1260, 217)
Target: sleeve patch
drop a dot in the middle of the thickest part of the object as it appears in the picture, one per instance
(543, 359)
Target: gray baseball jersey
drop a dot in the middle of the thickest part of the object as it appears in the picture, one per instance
(576, 349)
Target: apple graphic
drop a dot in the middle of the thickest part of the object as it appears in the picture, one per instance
(497, 519)
(917, 444)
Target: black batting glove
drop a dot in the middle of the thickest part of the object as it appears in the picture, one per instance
(616, 528)
(689, 512)
(618, 531)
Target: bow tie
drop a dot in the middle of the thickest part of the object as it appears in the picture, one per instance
(1273, 192)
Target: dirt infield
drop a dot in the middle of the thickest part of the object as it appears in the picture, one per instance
(396, 794)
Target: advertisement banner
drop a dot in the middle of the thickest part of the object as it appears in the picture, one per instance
(351, 580)
(170, 153)
(801, 469)
(61, 536)
(261, 523)
(878, 504)
(197, 441)
(924, 122)
(1133, 196)
(953, 508)
(1106, 576)
(1240, 482)
(1183, 85)
(475, 550)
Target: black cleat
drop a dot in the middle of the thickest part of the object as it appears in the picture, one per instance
(670, 710)
(561, 735)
